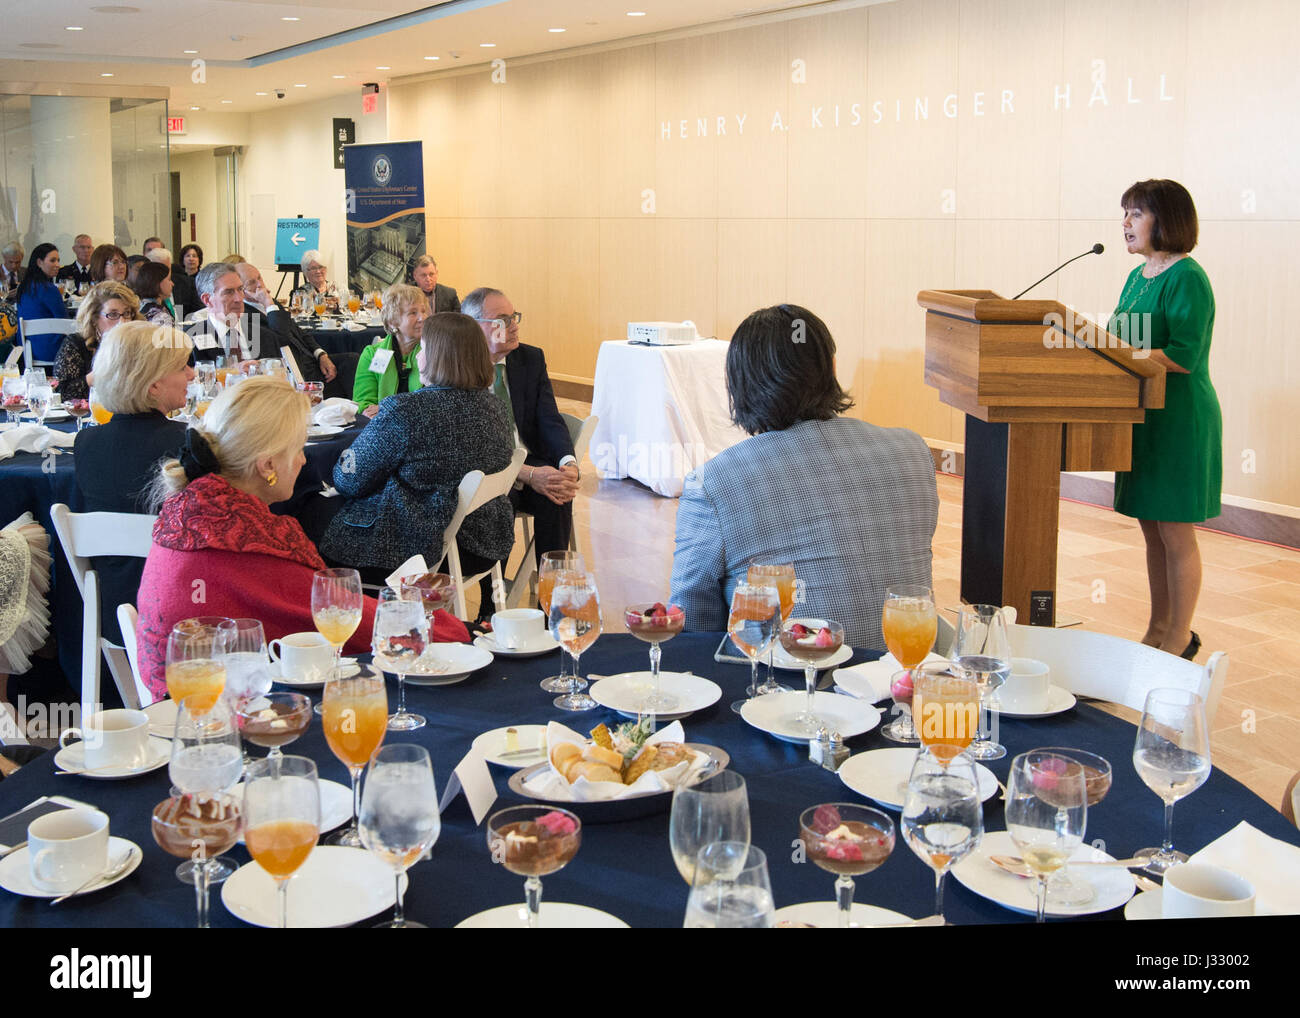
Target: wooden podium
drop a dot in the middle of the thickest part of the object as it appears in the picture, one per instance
(1042, 392)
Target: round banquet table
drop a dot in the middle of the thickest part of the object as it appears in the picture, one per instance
(625, 868)
(340, 340)
(27, 485)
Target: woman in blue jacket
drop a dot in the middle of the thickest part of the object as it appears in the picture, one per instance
(38, 297)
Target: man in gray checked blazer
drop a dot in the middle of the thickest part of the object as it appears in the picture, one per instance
(852, 505)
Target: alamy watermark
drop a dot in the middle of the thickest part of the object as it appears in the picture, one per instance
(1076, 329)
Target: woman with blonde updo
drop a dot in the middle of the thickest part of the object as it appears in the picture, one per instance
(105, 306)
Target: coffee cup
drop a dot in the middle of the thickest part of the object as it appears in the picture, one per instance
(113, 738)
(1200, 891)
(68, 848)
(302, 655)
(1028, 689)
(517, 627)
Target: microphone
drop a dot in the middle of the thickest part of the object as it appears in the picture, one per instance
(1095, 249)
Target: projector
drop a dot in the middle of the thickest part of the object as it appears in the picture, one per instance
(662, 333)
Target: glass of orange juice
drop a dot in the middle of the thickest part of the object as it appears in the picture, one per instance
(910, 624)
(354, 303)
(336, 606)
(945, 708)
(553, 565)
(281, 819)
(355, 717)
(195, 666)
(97, 412)
(773, 572)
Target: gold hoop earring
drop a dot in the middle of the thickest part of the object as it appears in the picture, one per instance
(271, 478)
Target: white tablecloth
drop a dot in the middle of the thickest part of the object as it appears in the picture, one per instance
(662, 411)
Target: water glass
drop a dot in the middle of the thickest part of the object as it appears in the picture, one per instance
(1172, 757)
(715, 809)
(399, 814)
(731, 889)
(982, 653)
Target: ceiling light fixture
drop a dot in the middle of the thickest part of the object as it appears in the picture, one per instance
(337, 77)
(299, 85)
(195, 107)
(636, 14)
(74, 28)
(432, 58)
(259, 93)
(486, 45)
(189, 51)
(291, 19)
(105, 74)
(227, 100)
(555, 29)
(383, 67)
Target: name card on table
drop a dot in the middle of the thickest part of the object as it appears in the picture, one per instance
(473, 776)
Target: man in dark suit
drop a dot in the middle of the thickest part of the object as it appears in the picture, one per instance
(11, 268)
(79, 270)
(549, 478)
(425, 275)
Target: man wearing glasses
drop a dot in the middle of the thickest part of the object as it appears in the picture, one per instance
(79, 271)
(549, 477)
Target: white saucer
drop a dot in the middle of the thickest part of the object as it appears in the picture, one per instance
(827, 914)
(335, 805)
(324, 430)
(782, 660)
(555, 915)
(73, 758)
(316, 681)
(492, 744)
(1146, 905)
(16, 871)
(53, 414)
(541, 644)
(354, 327)
(626, 691)
(1058, 702)
(336, 886)
(1112, 886)
(842, 714)
(457, 659)
(881, 775)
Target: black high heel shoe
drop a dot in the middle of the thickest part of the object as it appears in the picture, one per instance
(1193, 648)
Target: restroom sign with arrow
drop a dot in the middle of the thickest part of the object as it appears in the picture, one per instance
(295, 237)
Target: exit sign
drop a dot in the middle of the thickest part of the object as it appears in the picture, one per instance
(175, 125)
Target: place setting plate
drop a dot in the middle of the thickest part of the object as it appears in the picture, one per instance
(843, 714)
(881, 775)
(555, 915)
(348, 667)
(542, 643)
(531, 740)
(335, 804)
(324, 430)
(73, 758)
(445, 664)
(16, 871)
(789, 663)
(1112, 886)
(1058, 702)
(335, 887)
(625, 692)
(826, 915)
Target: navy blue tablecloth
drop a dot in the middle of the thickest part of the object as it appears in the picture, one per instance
(626, 868)
(341, 340)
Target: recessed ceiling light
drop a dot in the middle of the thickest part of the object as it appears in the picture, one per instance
(383, 67)
(259, 93)
(189, 51)
(432, 58)
(105, 74)
(555, 29)
(74, 28)
(337, 76)
(291, 19)
(486, 45)
(116, 9)
(299, 85)
(636, 14)
(227, 100)
(196, 107)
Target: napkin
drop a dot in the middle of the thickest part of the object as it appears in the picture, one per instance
(33, 438)
(870, 681)
(550, 784)
(1273, 866)
(413, 566)
(335, 411)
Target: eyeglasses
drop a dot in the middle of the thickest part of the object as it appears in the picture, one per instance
(116, 261)
(115, 316)
(506, 320)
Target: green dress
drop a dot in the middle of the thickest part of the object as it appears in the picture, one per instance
(1177, 472)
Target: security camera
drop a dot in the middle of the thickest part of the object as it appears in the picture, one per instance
(279, 93)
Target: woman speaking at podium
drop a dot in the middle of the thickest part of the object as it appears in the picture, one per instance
(1167, 307)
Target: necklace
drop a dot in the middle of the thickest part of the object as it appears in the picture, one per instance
(1123, 308)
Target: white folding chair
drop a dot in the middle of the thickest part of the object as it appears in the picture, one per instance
(85, 536)
(1111, 668)
(41, 327)
(476, 489)
(580, 432)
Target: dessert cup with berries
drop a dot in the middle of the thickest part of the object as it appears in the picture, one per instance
(533, 842)
(814, 642)
(848, 840)
(655, 624)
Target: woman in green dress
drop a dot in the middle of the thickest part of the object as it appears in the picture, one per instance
(1167, 307)
(392, 364)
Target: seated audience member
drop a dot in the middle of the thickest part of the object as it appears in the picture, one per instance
(399, 486)
(186, 295)
(150, 244)
(276, 328)
(79, 270)
(425, 274)
(152, 283)
(108, 261)
(215, 527)
(103, 308)
(132, 261)
(391, 364)
(317, 285)
(38, 297)
(11, 268)
(852, 505)
(141, 374)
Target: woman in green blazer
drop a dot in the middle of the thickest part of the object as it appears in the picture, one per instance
(391, 364)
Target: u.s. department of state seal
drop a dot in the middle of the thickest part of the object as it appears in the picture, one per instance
(382, 170)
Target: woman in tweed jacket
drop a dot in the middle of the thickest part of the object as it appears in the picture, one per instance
(400, 477)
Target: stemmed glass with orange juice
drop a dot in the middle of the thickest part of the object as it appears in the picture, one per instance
(752, 624)
(354, 304)
(766, 572)
(97, 411)
(554, 565)
(575, 623)
(910, 624)
(195, 662)
(355, 717)
(281, 819)
(336, 606)
(945, 708)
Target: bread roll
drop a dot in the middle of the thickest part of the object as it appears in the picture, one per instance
(564, 751)
(609, 757)
(670, 755)
(640, 764)
(593, 771)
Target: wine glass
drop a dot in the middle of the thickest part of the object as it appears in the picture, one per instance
(281, 819)
(248, 667)
(982, 652)
(715, 809)
(197, 828)
(655, 623)
(1047, 813)
(731, 889)
(910, 624)
(848, 840)
(533, 842)
(1172, 757)
(336, 606)
(13, 390)
(575, 624)
(354, 717)
(1062, 888)
(553, 564)
(275, 720)
(195, 662)
(399, 813)
(814, 642)
(766, 572)
(945, 706)
(400, 636)
(39, 396)
(942, 818)
(207, 762)
(752, 624)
